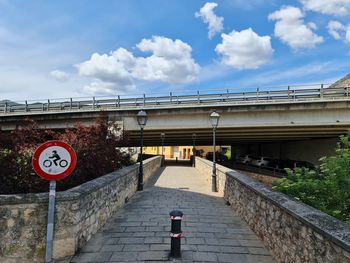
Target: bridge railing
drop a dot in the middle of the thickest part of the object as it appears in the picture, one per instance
(295, 93)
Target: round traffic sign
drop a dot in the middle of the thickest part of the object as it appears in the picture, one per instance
(54, 160)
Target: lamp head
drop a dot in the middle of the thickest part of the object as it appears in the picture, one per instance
(141, 118)
(214, 119)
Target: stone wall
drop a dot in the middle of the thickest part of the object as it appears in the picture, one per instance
(292, 231)
(80, 212)
(205, 167)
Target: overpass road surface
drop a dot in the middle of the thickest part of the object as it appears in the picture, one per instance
(262, 115)
(140, 231)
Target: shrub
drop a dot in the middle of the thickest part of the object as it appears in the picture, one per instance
(328, 188)
(96, 148)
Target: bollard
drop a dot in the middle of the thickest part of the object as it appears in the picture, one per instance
(176, 233)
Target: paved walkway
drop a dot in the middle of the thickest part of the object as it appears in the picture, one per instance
(140, 231)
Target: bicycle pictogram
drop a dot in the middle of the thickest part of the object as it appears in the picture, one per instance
(57, 161)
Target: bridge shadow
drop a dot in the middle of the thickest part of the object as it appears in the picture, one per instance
(154, 178)
(139, 232)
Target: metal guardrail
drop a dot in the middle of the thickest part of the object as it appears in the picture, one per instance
(288, 94)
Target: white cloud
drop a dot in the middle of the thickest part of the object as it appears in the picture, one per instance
(109, 73)
(171, 62)
(59, 75)
(215, 23)
(339, 31)
(244, 49)
(291, 30)
(328, 7)
(106, 68)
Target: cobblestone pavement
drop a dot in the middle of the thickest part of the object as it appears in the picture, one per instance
(140, 231)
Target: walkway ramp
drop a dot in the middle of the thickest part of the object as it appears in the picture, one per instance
(140, 231)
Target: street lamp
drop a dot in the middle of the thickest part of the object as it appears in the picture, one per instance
(214, 120)
(194, 136)
(141, 120)
(194, 148)
(162, 136)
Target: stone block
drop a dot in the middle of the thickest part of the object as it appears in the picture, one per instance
(123, 257)
(205, 256)
(64, 247)
(92, 257)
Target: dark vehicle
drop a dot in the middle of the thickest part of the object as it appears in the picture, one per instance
(292, 164)
(219, 157)
(305, 164)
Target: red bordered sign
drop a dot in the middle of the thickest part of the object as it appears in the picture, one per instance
(54, 160)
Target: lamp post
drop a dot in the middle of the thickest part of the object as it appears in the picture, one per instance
(194, 148)
(214, 120)
(162, 136)
(141, 120)
(194, 136)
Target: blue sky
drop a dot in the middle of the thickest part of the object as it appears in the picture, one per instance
(58, 49)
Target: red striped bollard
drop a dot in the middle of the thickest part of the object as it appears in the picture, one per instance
(176, 233)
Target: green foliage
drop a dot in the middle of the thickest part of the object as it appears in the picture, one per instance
(327, 188)
(228, 154)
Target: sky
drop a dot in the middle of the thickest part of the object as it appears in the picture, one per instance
(84, 48)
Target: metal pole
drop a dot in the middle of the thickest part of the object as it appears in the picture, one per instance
(194, 149)
(50, 222)
(162, 146)
(213, 181)
(140, 184)
(163, 157)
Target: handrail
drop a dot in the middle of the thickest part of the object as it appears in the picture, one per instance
(286, 94)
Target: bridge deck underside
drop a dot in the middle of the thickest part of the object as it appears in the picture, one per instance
(226, 136)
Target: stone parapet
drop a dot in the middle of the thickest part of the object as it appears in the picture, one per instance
(291, 230)
(205, 167)
(80, 212)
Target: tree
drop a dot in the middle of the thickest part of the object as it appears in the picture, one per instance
(97, 153)
(327, 188)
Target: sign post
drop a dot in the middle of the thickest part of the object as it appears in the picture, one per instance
(53, 160)
(50, 222)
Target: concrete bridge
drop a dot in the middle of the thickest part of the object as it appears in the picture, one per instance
(271, 115)
(289, 122)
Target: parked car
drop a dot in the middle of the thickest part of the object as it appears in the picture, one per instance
(292, 164)
(264, 162)
(245, 158)
(305, 164)
(219, 157)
